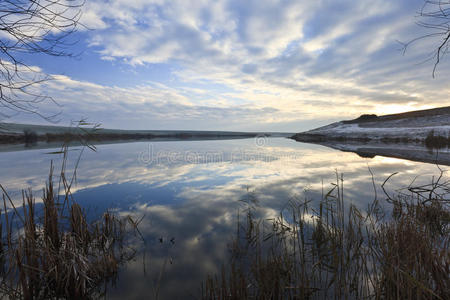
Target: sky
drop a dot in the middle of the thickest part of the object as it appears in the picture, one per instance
(255, 65)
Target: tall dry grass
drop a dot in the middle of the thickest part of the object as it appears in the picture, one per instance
(55, 252)
(337, 251)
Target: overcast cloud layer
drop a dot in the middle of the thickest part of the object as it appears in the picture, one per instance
(248, 65)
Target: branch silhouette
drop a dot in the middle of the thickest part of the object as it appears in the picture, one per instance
(435, 16)
(27, 27)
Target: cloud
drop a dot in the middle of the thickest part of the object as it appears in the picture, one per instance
(277, 62)
(152, 105)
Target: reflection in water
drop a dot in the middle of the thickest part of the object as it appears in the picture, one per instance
(189, 192)
(413, 152)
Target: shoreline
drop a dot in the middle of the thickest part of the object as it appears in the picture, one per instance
(11, 133)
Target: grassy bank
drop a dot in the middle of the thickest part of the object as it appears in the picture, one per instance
(337, 251)
(408, 127)
(28, 134)
(432, 140)
(317, 138)
(28, 138)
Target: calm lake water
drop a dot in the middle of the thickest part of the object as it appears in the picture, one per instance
(188, 194)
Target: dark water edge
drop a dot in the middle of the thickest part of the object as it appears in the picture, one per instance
(50, 140)
(413, 151)
(30, 139)
(41, 145)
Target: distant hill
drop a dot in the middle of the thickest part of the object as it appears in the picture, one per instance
(430, 126)
(12, 133)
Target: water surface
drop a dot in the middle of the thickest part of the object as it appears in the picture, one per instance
(188, 194)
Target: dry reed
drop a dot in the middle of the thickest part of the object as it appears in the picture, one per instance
(58, 253)
(337, 251)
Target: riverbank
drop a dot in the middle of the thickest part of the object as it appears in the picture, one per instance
(11, 133)
(428, 127)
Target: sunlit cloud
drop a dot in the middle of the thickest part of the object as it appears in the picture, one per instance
(257, 65)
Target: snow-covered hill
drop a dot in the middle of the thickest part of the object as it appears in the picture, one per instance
(406, 127)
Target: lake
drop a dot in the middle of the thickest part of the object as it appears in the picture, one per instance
(188, 194)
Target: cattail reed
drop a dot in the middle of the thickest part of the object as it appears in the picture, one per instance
(341, 252)
(55, 252)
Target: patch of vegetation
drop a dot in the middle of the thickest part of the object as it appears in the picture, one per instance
(30, 137)
(436, 141)
(363, 118)
(340, 252)
(57, 253)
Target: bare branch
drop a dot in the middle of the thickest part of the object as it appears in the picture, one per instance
(435, 16)
(26, 27)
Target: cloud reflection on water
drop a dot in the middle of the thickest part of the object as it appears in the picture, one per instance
(195, 201)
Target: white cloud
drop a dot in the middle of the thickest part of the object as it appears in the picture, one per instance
(149, 106)
(278, 61)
